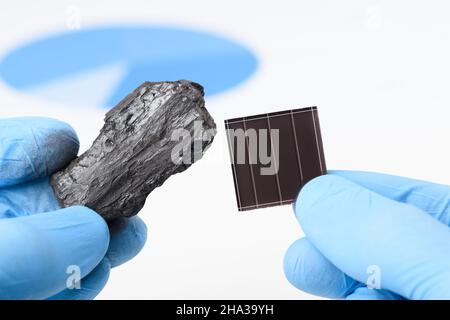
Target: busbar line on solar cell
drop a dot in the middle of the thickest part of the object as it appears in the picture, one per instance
(268, 204)
(259, 117)
(296, 131)
(231, 151)
(317, 141)
(299, 161)
(272, 150)
(251, 168)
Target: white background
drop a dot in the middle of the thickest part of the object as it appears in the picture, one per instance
(377, 70)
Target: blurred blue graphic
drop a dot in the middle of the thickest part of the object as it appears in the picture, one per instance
(98, 67)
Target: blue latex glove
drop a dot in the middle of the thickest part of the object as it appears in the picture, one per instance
(354, 221)
(38, 240)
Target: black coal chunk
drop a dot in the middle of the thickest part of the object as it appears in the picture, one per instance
(158, 130)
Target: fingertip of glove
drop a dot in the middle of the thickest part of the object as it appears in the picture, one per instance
(315, 191)
(128, 237)
(47, 128)
(85, 213)
(292, 262)
(135, 225)
(140, 230)
(34, 147)
(50, 123)
(60, 141)
(92, 222)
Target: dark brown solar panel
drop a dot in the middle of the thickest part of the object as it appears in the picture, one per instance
(273, 155)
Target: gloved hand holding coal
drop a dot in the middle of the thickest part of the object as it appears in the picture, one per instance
(47, 252)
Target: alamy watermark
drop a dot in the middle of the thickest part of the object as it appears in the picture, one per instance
(251, 146)
(374, 18)
(73, 17)
(374, 277)
(190, 147)
(73, 281)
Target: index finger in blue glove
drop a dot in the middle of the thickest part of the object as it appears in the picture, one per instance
(36, 251)
(33, 147)
(356, 228)
(431, 197)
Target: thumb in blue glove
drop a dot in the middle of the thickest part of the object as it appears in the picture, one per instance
(41, 244)
(359, 225)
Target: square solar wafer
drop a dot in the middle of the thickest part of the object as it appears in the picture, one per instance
(274, 155)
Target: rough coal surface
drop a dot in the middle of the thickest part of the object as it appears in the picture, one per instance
(132, 154)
